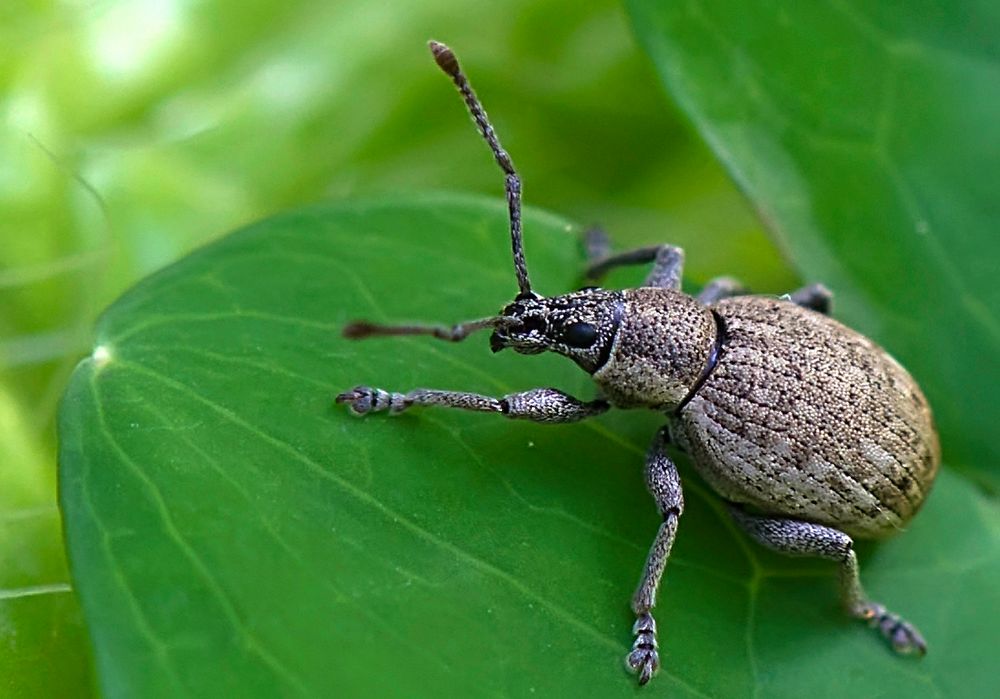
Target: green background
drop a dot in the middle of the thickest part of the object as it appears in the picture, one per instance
(133, 132)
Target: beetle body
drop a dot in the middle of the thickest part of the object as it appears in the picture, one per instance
(800, 416)
(809, 431)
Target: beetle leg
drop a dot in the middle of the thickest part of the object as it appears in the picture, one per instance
(596, 243)
(798, 538)
(668, 262)
(537, 405)
(815, 296)
(720, 288)
(665, 486)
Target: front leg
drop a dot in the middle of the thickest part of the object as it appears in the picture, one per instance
(665, 486)
(538, 405)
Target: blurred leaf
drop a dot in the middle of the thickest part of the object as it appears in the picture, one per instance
(233, 533)
(41, 627)
(868, 136)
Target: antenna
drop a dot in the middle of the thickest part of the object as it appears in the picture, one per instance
(449, 64)
(361, 329)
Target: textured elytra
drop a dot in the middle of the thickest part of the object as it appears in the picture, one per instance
(806, 418)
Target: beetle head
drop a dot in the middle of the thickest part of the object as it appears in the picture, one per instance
(580, 325)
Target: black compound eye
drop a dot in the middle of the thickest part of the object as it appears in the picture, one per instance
(581, 335)
(532, 324)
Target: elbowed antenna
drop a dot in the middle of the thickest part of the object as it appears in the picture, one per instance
(449, 64)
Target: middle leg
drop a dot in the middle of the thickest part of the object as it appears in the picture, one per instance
(815, 296)
(668, 260)
(664, 485)
(721, 288)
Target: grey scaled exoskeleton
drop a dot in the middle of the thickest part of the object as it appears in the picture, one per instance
(811, 432)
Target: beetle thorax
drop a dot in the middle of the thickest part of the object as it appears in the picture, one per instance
(662, 348)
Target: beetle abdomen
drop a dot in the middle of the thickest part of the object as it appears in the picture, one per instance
(806, 418)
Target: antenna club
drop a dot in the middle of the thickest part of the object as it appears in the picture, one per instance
(444, 57)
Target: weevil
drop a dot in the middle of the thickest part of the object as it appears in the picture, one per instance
(811, 433)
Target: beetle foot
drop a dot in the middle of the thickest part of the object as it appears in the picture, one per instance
(644, 660)
(362, 400)
(902, 635)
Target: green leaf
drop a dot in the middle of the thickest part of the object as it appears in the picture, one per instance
(41, 626)
(867, 136)
(233, 533)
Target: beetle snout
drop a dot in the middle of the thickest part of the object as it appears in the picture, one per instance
(497, 342)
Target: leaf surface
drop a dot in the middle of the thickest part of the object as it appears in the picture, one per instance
(233, 533)
(41, 626)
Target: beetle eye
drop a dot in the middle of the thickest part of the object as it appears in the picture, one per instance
(532, 324)
(581, 335)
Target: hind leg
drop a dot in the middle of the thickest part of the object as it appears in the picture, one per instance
(797, 538)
